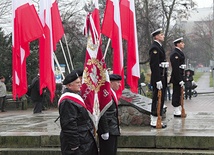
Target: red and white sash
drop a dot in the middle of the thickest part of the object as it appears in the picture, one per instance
(72, 96)
(114, 96)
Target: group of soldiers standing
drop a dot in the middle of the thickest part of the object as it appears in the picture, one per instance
(159, 66)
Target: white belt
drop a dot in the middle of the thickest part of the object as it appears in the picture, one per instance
(183, 66)
(164, 64)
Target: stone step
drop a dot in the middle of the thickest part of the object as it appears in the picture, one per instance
(166, 142)
(124, 141)
(30, 151)
(136, 151)
(121, 151)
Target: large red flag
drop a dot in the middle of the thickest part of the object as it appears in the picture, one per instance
(53, 32)
(26, 28)
(112, 28)
(96, 87)
(129, 33)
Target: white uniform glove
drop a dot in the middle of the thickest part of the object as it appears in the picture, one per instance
(105, 136)
(181, 83)
(75, 148)
(159, 85)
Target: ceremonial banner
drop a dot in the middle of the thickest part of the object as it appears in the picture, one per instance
(129, 33)
(53, 32)
(112, 28)
(26, 28)
(96, 87)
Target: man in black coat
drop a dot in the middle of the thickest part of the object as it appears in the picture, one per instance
(35, 95)
(158, 67)
(77, 132)
(177, 59)
(108, 127)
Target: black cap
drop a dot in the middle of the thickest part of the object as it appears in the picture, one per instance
(115, 77)
(79, 71)
(178, 40)
(156, 32)
(70, 77)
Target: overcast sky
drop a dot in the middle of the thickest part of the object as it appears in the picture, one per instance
(204, 3)
(200, 3)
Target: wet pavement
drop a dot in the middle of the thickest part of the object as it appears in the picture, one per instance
(199, 120)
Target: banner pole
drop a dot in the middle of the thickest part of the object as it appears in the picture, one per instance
(63, 51)
(104, 56)
(72, 66)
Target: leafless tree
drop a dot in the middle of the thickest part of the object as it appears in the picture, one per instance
(5, 13)
(201, 47)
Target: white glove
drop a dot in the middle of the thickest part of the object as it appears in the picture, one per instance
(105, 136)
(75, 148)
(164, 64)
(181, 83)
(183, 66)
(159, 85)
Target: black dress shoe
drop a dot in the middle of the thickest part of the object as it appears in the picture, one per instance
(3, 110)
(177, 115)
(163, 126)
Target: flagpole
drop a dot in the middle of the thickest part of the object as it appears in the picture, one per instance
(104, 56)
(63, 51)
(72, 66)
(57, 62)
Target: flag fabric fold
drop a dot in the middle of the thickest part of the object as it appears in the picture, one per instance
(129, 33)
(111, 27)
(26, 28)
(53, 32)
(96, 85)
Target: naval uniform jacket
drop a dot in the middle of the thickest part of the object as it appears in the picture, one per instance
(76, 127)
(177, 59)
(157, 55)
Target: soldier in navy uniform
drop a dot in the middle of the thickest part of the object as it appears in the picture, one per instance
(177, 59)
(77, 132)
(158, 67)
(108, 127)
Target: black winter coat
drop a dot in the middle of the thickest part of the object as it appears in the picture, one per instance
(157, 55)
(35, 91)
(76, 129)
(177, 59)
(109, 121)
(188, 81)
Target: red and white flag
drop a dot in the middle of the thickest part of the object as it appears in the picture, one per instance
(26, 28)
(111, 27)
(129, 33)
(95, 89)
(53, 32)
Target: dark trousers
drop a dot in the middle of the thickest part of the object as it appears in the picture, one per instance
(37, 107)
(188, 93)
(176, 95)
(167, 92)
(2, 103)
(108, 147)
(155, 101)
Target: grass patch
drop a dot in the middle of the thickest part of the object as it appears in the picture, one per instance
(211, 80)
(197, 76)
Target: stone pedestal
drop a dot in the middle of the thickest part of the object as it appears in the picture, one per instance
(134, 109)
